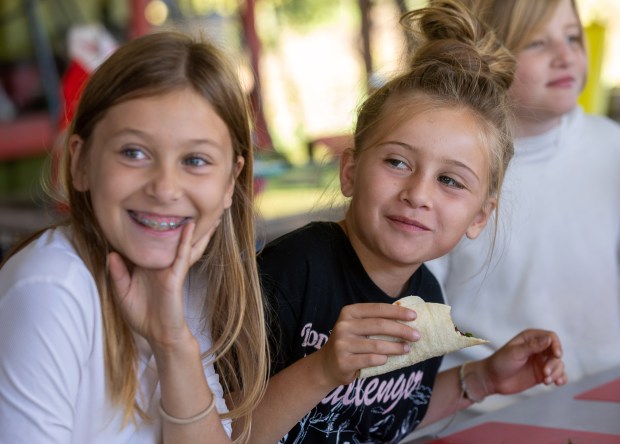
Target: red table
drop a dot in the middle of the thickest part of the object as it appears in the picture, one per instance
(583, 412)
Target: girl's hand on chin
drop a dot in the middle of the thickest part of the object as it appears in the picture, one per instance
(150, 300)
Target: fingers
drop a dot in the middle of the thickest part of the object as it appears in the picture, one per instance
(119, 275)
(378, 310)
(351, 355)
(190, 250)
(362, 339)
(200, 245)
(376, 319)
(382, 344)
(553, 371)
(546, 345)
(533, 341)
(182, 260)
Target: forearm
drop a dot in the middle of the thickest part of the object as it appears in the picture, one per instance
(185, 394)
(290, 395)
(450, 395)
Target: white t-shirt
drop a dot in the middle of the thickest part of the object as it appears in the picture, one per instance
(556, 263)
(52, 377)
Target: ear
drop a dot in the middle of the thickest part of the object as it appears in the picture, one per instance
(347, 172)
(230, 191)
(481, 218)
(79, 175)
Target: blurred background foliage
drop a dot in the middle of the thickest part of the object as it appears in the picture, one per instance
(315, 68)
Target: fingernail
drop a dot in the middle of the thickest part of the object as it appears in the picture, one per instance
(406, 348)
(415, 335)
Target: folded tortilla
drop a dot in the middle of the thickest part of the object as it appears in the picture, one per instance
(438, 336)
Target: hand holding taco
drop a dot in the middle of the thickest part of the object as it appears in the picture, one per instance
(438, 336)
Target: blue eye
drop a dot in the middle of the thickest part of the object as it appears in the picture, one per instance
(133, 153)
(535, 44)
(450, 182)
(195, 161)
(397, 164)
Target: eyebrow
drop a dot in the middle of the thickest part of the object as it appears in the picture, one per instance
(444, 160)
(145, 135)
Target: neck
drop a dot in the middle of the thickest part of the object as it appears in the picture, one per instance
(530, 127)
(390, 277)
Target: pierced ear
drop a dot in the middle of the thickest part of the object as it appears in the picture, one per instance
(230, 191)
(78, 169)
(347, 172)
(481, 219)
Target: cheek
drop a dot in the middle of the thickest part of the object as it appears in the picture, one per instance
(582, 67)
(372, 190)
(523, 85)
(212, 198)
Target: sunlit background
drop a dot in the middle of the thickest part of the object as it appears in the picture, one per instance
(317, 60)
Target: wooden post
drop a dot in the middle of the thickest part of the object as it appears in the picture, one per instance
(366, 27)
(262, 137)
(138, 24)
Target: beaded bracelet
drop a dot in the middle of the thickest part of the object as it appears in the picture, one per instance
(464, 385)
(185, 421)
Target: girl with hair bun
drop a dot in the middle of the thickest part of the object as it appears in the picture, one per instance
(557, 249)
(430, 150)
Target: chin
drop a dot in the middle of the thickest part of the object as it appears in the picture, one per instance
(153, 261)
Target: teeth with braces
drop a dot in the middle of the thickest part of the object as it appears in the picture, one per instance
(159, 225)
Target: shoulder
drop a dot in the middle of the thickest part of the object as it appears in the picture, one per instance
(50, 335)
(310, 241)
(50, 258)
(49, 275)
(314, 231)
(596, 126)
(301, 262)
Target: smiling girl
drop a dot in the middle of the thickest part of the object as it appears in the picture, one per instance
(557, 258)
(104, 338)
(431, 147)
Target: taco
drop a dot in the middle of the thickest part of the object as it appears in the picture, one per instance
(438, 336)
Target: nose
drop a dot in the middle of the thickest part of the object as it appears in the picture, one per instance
(563, 52)
(164, 184)
(418, 191)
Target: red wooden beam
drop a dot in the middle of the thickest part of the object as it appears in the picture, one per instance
(26, 136)
(248, 21)
(138, 24)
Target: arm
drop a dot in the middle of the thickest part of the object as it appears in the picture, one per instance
(294, 391)
(186, 394)
(42, 349)
(532, 357)
(152, 303)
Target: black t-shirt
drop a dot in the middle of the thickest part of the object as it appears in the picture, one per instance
(308, 276)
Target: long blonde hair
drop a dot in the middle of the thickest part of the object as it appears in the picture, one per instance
(515, 21)
(234, 312)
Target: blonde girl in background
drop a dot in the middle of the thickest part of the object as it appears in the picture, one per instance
(557, 249)
(431, 147)
(105, 336)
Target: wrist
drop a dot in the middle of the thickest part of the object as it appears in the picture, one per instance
(319, 371)
(473, 384)
(188, 348)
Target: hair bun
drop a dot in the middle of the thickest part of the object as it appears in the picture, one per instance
(450, 36)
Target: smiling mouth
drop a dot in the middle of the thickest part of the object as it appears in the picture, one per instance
(157, 223)
(411, 223)
(565, 82)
